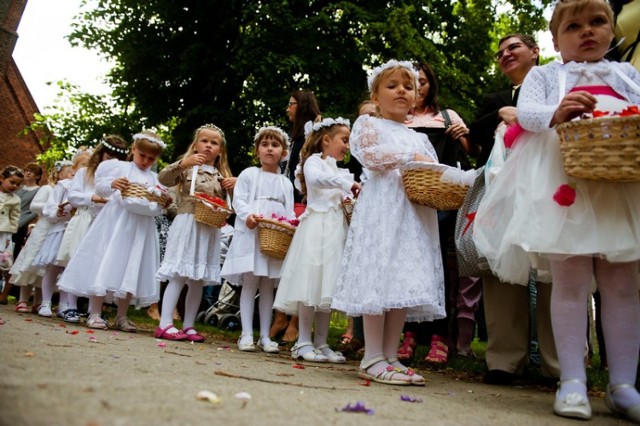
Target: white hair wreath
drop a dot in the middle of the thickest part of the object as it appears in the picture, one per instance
(310, 127)
(285, 137)
(391, 64)
(150, 138)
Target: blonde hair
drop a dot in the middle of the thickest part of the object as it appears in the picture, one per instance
(146, 145)
(221, 162)
(313, 145)
(576, 6)
(390, 70)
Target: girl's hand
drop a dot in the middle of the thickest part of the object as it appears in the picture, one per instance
(355, 189)
(508, 114)
(193, 160)
(251, 221)
(60, 212)
(456, 131)
(422, 157)
(573, 105)
(98, 200)
(120, 183)
(228, 183)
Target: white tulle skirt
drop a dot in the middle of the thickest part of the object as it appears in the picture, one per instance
(518, 223)
(73, 235)
(312, 265)
(192, 251)
(22, 272)
(49, 250)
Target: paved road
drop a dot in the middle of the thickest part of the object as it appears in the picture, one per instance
(53, 373)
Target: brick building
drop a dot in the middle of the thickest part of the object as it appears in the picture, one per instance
(17, 106)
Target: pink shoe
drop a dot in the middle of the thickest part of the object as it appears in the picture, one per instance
(193, 337)
(161, 333)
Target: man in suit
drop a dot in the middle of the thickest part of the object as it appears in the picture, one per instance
(506, 305)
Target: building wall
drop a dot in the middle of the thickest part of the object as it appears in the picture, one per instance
(17, 106)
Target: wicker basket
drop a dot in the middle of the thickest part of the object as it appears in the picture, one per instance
(423, 186)
(275, 237)
(347, 209)
(136, 190)
(605, 149)
(211, 214)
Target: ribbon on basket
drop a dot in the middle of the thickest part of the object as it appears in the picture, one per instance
(194, 177)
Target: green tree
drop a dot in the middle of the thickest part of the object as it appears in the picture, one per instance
(235, 63)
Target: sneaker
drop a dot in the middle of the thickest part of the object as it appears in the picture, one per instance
(71, 315)
(60, 310)
(45, 310)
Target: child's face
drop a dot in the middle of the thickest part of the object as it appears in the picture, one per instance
(209, 144)
(66, 172)
(395, 96)
(584, 36)
(336, 146)
(11, 184)
(270, 152)
(144, 160)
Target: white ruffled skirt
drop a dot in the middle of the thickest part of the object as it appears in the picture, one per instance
(192, 251)
(518, 224)
(73, 235)
(312, 265)
(49, 250)
(22, 272)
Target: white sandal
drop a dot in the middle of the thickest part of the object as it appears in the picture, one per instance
(631, 413)
(416, 379)
(123, 324)
(97, 322)
(334, 357)
(574, 405)
(313, 355)
(387, 376)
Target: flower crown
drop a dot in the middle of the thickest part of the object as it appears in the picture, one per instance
(113, 148)
(58, 165)
(80, 151)
(150, 138)
(310, 127)
(391, 64)
(212, 127)
(282, 133)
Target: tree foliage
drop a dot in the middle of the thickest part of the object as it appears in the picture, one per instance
(235, 63)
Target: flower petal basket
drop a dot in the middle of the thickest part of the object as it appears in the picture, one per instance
(275, 237)
(209, 213)
(347, 208)
(135, 190)
(423, 186)
(604, 149)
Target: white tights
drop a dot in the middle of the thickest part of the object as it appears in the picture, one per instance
(620, 316)
(306, 316)
(250, 286)
(170, 301)
(382, 335)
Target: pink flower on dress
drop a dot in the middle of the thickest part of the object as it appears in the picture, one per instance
(565, 195)
(512, 133)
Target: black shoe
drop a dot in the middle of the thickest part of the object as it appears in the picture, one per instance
(499, 377)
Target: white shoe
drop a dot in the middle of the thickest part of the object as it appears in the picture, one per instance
(45, 310)
(574, 405)
(246, 346)
(268, 346)
(631, 413)
(332, 356)
(313, 355)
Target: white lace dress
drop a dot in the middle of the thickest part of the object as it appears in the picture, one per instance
(256, 192)
(120, 252)
(518, 224)
(311, 268)
(392, 254)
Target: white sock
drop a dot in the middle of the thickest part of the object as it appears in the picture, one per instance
(170, 301)
(247, 303)
(49, 282)
(306, 315)
(322, 328)
(266, 304)
(569, 316)
(192, 304)
(620, 319)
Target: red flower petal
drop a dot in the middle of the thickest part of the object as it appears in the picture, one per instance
(565, 195)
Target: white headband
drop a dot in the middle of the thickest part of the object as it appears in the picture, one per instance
(150, 138)
(62, 163)
(310, 127)
(391, 64)
(273, 129)
(113, 148)
(211, 127)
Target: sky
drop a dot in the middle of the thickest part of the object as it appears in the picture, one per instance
(44, 55)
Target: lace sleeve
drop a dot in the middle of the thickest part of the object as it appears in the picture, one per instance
(375, 148)
(538, 99)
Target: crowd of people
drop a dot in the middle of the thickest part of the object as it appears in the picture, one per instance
(390, 265)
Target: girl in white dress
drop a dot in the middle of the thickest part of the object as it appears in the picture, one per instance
(595, 235)
(392, 267)
(83, 197)
(22, 274)
(310, 270)
(58, 212)
(119, 255)
(258, 191)
(192, 253)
